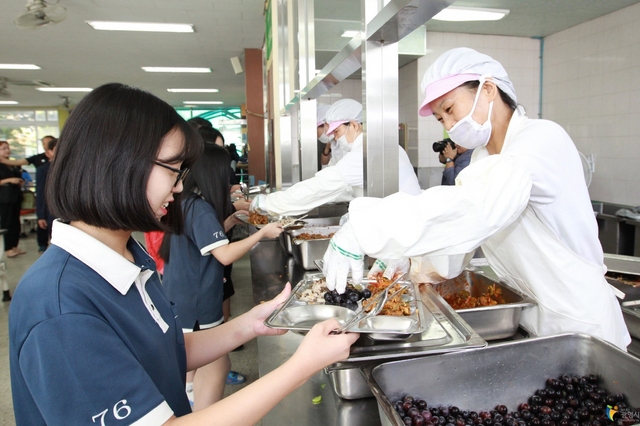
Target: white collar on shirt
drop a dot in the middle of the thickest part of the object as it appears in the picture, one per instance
(111, 266)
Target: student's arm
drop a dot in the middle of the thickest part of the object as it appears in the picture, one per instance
(229, 253)
(20, 162)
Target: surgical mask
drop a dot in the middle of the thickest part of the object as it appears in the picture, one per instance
(324, 138)
(343, 143)
(469, 134)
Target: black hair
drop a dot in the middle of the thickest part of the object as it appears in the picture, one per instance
(505, 98)
(210, 134)
(208, 179)
(52, 142)
(105, 155)
(199, 122)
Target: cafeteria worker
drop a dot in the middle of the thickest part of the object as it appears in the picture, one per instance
(523, 199)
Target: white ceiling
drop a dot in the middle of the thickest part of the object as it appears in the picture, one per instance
(73, 54)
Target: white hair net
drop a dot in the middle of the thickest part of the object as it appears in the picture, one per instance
(322, 113)
(458, 66)
(344, 110)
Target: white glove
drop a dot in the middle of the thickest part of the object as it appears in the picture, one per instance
(258, 203)
(342, 255)
(389, 268)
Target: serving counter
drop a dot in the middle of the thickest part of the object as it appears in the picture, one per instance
(271, 268)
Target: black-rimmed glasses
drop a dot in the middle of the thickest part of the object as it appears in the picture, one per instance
(182, 173)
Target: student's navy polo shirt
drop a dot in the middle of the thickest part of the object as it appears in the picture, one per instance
(81, 351)
(193, 278)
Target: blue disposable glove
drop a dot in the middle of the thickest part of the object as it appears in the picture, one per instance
(258, 204)
(343, 255)
(389, 268)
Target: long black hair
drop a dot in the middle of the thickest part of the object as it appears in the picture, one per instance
(209, 180)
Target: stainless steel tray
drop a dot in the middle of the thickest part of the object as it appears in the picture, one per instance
(490, 322)
(285, 237)
(299, 316)
(245, 219)
(348, 382)
(505, 373)
(306, 251)
(631, 314)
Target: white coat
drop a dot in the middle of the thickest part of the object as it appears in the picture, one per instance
(529, 210)
(342, 182)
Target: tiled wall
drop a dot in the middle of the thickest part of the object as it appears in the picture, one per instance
(592, 88)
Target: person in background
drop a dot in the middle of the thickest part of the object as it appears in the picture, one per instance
(454, 157)
(10, 202)
(325, 143)
(92, 336)
(527, 209)
(45, 218)
(198, 122)
(344, 181)
(194, 263)
(38, 160)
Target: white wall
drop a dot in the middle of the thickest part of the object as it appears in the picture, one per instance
(592, 88)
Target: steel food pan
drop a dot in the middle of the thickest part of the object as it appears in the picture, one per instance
(631, 314)
(300, 315)
(505, 373)
(306, 251)
(285, 237)
(490, 322)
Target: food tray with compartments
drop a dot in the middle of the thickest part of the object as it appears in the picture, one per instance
(306, 306)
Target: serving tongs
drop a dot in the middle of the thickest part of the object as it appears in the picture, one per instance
(294, 221)
(376, 304)
(245, 190)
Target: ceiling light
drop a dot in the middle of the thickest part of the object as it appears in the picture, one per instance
(175, 69)
(350, 34)
(456, 13)
(19, 67)
(64, 89)
(8, 103)
(202, 102)
(141, 26)
(193, 90)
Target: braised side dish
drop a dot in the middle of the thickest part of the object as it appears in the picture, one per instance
(258, 219)
(395, 306)
(463, 299)
(313, 236)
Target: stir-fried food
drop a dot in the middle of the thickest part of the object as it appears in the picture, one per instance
(394, 306)
(463, 299)
(258, 219)
(313, 236)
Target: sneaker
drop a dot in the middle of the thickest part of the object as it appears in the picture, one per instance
(235, 378)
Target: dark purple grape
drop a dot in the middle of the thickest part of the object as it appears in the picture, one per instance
(406, 405)
(502, 409)
(328, 298)
(422, 405)
(592, 378)
(460, 421)
(534, 401)
(427, 415)
(545, 409)
(412, 412)
(352, 305)
(484, 414)
(535, 421)
(353, 297)
(418, 420)
(526, 415)
(407, 421)
(444, 411)
(488, 421)
(442, 421)
(434, 411)
(454, 411)
(473, 415)
(366, 293)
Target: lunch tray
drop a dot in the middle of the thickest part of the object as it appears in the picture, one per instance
(299, 316)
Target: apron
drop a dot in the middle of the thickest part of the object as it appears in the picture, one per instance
(572, 293)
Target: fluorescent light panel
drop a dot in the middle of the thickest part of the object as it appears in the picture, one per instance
(350, 34)
(193, 90)
(458, 14)
(64, 89)
(19, 67)
(8, 103)
(202, 102)
(153, 27)
(176, 69)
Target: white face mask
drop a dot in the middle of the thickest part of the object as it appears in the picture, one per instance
(469, 134)
(324, 138)
(343, 143)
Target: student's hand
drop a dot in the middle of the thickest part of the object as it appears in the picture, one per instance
(232, 220)
(320, 348)
(242, 204)
(261, 312)
(42, 223)
(272, 230)
(14, 181)
(449, 152)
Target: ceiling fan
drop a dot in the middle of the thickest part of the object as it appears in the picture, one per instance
(40, 13)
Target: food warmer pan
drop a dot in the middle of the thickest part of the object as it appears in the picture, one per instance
(305, 251)
(495, 322)
(285, 237)
(631, 314)
(505, 373)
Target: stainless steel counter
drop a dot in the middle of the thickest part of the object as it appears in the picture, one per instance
(271, 268)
